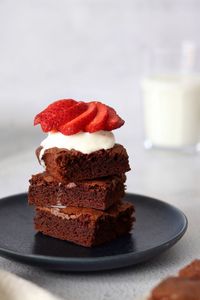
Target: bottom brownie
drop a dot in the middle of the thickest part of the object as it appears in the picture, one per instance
(85, 226)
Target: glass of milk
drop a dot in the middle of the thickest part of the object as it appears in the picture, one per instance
(171, 99)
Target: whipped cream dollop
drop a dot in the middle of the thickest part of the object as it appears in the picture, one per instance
(84, 142)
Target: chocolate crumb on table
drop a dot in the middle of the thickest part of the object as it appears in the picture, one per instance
(192, 270)
(186, 286)
(176, 288)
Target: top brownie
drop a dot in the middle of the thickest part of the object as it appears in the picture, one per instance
(73, 165)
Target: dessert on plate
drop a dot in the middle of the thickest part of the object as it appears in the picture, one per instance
(74, 165)
(100, 193)
(79, 195)
(85, 226)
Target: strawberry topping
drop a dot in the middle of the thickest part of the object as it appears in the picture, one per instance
(58, 105)
(70, 117)
(100, 119)
(52, 118)
(114, 121)
(79, 122)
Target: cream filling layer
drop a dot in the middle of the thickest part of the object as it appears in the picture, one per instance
(84, 142)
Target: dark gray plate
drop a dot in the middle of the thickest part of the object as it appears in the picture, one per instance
(158, 227)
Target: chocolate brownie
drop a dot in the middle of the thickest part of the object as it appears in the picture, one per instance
(74, 166)
(85, 226)
(100, 194)
(192, 270)
(177, 288)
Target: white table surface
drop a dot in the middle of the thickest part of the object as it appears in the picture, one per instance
(172, 177)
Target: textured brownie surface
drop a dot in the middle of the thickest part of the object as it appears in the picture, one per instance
(75, 166)
(192, 270)
(100, 194)
(85, 226)
(177, 288)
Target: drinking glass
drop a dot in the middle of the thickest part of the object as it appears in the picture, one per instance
(171, 98)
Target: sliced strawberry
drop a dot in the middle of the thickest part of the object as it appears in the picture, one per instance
(46, 121)
(77, 124)
(70, 117)
(57, 105)
(113, 121)
(52, 119)
(98, 123)
(63, 103)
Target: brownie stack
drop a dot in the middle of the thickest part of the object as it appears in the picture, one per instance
(78, 197)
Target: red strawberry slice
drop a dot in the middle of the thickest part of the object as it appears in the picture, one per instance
(98, 123)
(52, 119)
(63, 103)
(77, 124)
(113, 121)
(57, 105)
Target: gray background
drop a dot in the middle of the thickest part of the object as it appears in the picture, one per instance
(84, 49)
(94, 50)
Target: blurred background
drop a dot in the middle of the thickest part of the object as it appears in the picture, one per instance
(82, 49)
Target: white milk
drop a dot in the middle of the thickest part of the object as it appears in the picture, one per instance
(172, 110)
